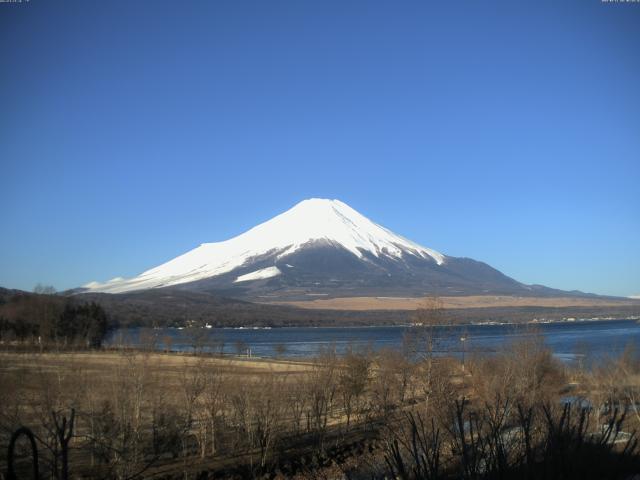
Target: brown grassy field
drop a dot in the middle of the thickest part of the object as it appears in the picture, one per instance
(474, 301)
(129, 393)
(145, 414)
(102, 363)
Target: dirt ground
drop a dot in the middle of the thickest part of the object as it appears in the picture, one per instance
(474, 301)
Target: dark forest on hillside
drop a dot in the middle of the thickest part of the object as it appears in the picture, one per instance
(50, 320)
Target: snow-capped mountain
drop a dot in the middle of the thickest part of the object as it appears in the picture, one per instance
(319, 247)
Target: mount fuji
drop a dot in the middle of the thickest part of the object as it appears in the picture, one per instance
(321, 248)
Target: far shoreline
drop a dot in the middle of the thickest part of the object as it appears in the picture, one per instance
(488, 323)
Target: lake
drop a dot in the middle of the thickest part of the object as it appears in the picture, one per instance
(568, 341)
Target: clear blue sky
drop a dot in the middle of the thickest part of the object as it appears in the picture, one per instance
(509, 132)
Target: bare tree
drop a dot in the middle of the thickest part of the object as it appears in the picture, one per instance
(197, 337)
(213, 399)
(322, 390)
(430, 331)
(41, 289)
(191, 388)
(269, 413)
(242, 347)
(395, 378)
(167, 340)
(280, 350)
(353, 378)
(297, 400)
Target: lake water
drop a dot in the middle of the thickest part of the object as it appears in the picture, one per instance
(568, 340)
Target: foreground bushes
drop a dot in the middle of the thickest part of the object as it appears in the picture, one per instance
(503, 441)
(498, 417)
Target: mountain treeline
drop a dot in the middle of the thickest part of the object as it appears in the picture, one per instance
(172, 307)
(47, 319)
(169, 307)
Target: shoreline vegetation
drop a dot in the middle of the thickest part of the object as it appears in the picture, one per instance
(535, 321)
(44, 320)
(408, 413)
(364, 414)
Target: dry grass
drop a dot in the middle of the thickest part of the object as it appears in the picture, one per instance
(268, 412)
(35, 384)
(473, 301)
(102, 365)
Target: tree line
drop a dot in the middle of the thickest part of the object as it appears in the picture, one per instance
(45, 319)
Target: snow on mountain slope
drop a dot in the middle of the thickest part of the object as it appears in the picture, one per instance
(307, 222)
(261, 274)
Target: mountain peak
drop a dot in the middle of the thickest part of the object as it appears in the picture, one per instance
(308, 222)
(318, 201)
(318, 207)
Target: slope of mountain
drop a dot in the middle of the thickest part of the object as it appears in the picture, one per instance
(322, 248)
